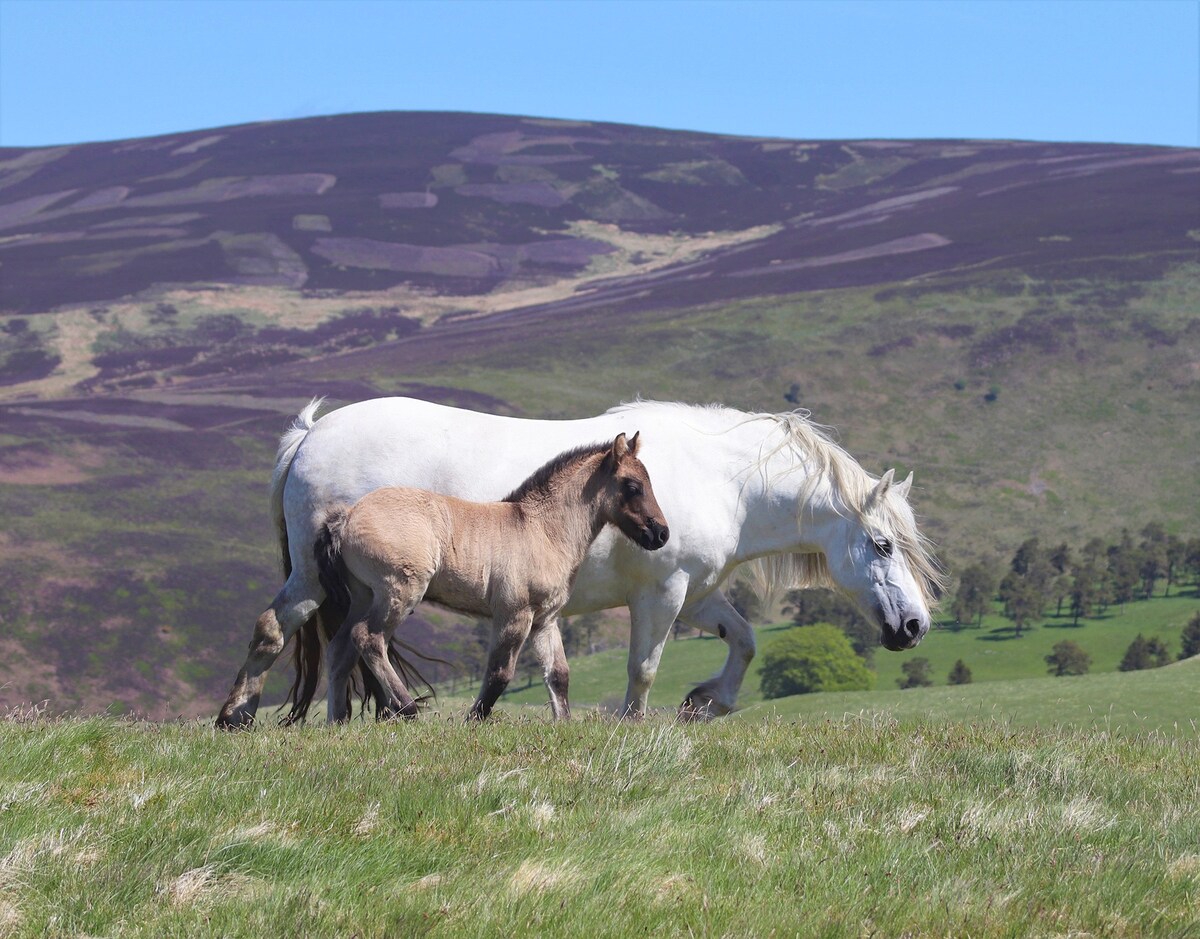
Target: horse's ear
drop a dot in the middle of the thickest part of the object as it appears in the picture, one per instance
(905, 486)
(619, 448)
(635, 443)
(881, 487)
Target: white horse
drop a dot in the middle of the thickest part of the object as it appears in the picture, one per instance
(768, 490)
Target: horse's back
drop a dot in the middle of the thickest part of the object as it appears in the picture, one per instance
(386, 442)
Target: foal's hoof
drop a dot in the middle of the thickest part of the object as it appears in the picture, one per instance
(234, 720)
(699, 705)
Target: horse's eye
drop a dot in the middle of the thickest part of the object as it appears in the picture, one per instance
(883, 547)
(633, 488)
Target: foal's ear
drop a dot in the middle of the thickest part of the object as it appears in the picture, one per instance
(620, 447)
(635, 443)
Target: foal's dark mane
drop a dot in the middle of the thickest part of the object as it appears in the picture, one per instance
(539, 482)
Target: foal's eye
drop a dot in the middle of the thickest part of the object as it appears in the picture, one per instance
(632, 488)
(883, 547)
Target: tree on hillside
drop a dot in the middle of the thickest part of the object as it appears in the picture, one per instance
(1152, 563)
(1176, 555)
(1026, 589)
(1085, 593)
(1191, 559)
(1191, 638)
(1144, 653)
(1023, 601)
(807, 659)
(1067, 658)
(1060, 562)
(916, 673)
(1124, 567)
(579, 633)
(959, 674)
(977, 585)
(742, 597)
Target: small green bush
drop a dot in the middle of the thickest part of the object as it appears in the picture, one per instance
(812, 658)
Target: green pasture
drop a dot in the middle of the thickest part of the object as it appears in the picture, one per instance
(1160, 700)
(991, 652)
(752, 827)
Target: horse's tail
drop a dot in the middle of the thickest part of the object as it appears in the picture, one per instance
(289, 443)
(306, 650)
(315, 633)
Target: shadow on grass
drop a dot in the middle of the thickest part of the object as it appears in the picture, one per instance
(1004, 633)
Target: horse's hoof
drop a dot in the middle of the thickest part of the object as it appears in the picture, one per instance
(700, 706)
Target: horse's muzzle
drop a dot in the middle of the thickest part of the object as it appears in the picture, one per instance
(904, 635)
(653, 535)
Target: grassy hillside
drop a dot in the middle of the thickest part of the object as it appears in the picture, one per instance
(1001, 667)
(1018, 323)
(749, 828)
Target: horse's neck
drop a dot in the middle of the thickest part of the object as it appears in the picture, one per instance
(785, 509)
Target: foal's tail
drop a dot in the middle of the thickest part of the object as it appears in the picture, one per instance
(328, 550)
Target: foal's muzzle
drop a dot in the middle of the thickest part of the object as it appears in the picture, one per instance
(653, 535)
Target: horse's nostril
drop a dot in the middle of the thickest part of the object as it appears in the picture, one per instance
(663, 534)
(912, 628)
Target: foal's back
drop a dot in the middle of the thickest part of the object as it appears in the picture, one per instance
(469, 556)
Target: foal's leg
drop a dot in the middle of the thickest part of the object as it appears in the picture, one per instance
(372, 645)
(718, 696)
(292, 607)
(548, 648)
(508, 635)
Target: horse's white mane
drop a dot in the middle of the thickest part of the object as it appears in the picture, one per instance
(830, 467)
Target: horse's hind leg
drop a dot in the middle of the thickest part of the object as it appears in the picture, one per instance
(508, 635)
(548, 649)
(342, 655)
(292, 607)
(718, 695)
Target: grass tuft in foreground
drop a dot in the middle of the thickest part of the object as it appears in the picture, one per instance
(595, 828)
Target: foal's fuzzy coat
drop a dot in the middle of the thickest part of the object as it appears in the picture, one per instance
(514, 561)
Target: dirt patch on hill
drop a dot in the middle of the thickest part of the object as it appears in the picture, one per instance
(30, 467)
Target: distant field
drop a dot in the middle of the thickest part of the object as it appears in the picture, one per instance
(998, 664)
(1161, 700)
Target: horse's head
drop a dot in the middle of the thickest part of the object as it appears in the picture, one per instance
(876, 556)
(630, 502)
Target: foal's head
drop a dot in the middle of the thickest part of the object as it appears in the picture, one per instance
(628, 499)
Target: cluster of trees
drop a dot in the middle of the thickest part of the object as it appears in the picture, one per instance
(917, 673)
(1087, 581)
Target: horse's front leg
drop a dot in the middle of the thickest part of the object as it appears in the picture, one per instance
(717, 696)
(548, 648)
(652, 612)
(509, 631)
(292, 607)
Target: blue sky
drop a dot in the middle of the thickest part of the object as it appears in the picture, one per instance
(1083, 70)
